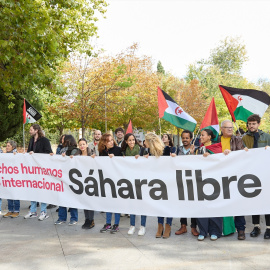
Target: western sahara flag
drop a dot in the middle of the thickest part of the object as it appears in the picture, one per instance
(242, 103)
(214, 148)
(170, 111)
(30, 114)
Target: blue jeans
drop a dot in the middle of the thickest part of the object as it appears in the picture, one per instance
(109, 218)
(132, 220)
(62, 214)
(33, 208)
(240, 223)
(168, 220)
(13, 206)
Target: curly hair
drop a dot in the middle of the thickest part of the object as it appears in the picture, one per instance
(254, 118)
(156, 145)
(103, 141)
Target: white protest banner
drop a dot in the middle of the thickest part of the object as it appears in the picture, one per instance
(183, 186)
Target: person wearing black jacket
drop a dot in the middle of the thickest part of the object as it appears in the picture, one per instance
(70, 147)
(108, 147)
(38, 144)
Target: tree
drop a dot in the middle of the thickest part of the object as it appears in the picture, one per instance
(229, 56)
(222, 67)
(160, 68)
(35, 37)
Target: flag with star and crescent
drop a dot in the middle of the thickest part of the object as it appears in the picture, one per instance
(242, 103)
(170, 111)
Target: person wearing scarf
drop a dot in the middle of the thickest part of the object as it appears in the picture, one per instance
(256, 138)
(131, 148)
(212, 225)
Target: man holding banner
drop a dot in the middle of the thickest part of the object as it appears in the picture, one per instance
(256, 138)
(38, 144)
(230, 142)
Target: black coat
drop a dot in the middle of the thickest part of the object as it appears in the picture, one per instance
(42, 146)
(115, 150)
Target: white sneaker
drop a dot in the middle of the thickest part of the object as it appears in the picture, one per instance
(30, 215)
(43, 216)
(131, 230)
(123, 215)
(141, 231)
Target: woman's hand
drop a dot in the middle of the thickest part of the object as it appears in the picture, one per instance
(246, 149)
(71, 156)
(227, 152)
(63, 154)
(31, 152)
(172, 154)
(111, 155)
(266, 147)
(93, 156)
(137, 156)
(146, 156)
(51, 154)
(206, 154)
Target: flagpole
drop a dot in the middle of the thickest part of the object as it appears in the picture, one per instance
(159, 127)
(196, 136)
(238, 129)
(23, 140)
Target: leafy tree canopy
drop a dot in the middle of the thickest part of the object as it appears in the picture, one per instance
(36, 36)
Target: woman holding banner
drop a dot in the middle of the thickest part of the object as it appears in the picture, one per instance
(130, 147)
(156, 148)
(212, 225)
(108, 147)
(85, 151)
(70, 147)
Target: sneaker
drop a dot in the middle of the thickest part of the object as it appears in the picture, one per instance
(15, 215)
(115, 228)
(200, 238)
(8, 214)
(31, 215)
(58, 222)
(106, 228)
(43, 216)
(123, 215)
(131, 230)
(141, 231)
(88, 224)
(72, 222)
(213, 237)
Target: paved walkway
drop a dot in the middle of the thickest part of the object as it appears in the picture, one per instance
(32, 244)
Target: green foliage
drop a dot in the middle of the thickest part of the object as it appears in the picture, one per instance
(36, 36)
(160, 68)
(229, 56)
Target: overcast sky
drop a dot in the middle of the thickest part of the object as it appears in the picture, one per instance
(179, 33)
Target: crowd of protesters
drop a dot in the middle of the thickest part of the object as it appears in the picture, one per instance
(127, 145)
